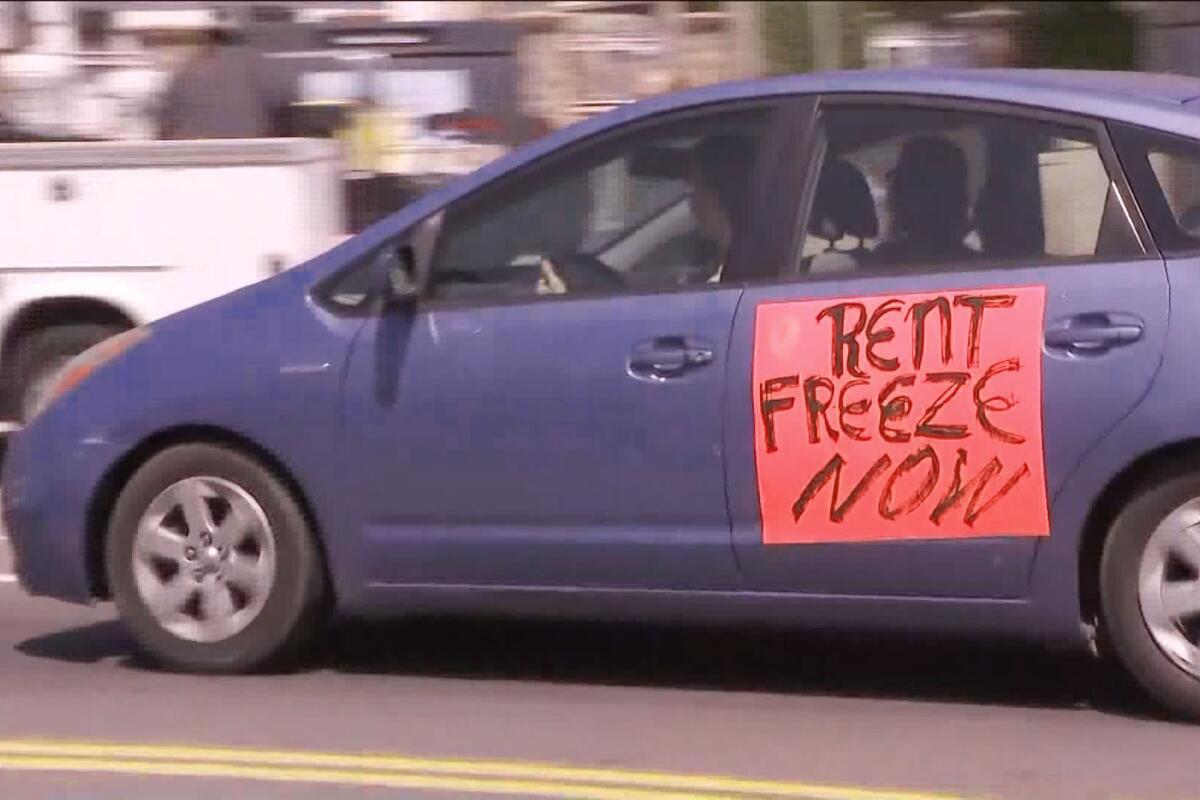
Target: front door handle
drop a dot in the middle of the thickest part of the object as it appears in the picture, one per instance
(1093, 333)
(669, 356)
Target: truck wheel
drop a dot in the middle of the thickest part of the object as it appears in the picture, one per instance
(212, 564)
(1150, 592)
(40, 356)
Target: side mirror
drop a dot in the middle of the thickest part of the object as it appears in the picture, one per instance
(396, 275)
(400, 271)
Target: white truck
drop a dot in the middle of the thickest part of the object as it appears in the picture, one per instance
(100, 237)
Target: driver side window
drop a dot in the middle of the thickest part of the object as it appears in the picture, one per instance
(655, 208)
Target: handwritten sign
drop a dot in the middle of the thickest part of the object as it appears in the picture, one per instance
(912, 416)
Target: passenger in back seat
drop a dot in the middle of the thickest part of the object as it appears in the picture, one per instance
(930, 207)
(1008, 209)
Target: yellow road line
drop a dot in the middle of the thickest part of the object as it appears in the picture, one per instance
(379, 780)
(365, 779)
(556, 781)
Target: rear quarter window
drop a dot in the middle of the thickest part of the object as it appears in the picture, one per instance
(1165, 173)
(1178, 176)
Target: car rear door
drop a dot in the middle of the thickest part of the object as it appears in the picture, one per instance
(900, 415)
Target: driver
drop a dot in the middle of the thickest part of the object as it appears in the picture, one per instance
(719, 174)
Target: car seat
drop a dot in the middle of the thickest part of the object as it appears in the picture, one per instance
(843, 206)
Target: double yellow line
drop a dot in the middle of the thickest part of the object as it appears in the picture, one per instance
(399, 772)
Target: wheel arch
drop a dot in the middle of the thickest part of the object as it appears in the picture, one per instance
(1145, 469)
(104, 498)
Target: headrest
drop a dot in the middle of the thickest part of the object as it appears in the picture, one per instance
(843, 204)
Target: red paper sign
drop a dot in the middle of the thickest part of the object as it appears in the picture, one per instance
(913, 416)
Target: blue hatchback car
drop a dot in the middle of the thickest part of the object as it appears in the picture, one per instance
(891, 350)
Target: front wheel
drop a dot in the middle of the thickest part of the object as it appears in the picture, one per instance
(212, 564)
(1150, 592)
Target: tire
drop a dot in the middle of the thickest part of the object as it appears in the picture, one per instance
(286, 614)
(1125, 629)
(40, 354)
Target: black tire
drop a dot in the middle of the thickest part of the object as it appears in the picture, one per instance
(1124, 634)
(295, 605)
(44, 350)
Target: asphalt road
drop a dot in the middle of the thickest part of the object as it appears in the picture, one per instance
(803, 714)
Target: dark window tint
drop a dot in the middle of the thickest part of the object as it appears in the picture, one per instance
(1165, 173)
(913, 188)
(658, 207)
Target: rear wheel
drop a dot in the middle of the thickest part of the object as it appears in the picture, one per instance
(212, 564)
(1150, 592)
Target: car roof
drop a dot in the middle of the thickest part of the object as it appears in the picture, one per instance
(1156, 100)
(1161, 86)
(1125, 96)
(1160, 101)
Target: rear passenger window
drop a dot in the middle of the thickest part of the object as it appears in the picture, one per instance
(907, 188)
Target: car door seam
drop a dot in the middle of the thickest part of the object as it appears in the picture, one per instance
(726, 410)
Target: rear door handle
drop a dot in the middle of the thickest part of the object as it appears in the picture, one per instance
(1093, 334)
(669, 356)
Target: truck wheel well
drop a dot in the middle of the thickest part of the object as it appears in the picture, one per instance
(1145, 470)
(105, 497)
(44, 314)
(47, 313)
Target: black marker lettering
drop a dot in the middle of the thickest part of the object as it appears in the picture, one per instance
(996, 402)
(925, 426)
(769, 406)
(958, 489)
(886, 509)
(838, 511)
(844, 340)
(818, 408)
(977, 303)
(896, 408)
(917, 313)
(857, 408)
(875, 337)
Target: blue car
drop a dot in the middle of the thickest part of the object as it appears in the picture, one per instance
(897, 350)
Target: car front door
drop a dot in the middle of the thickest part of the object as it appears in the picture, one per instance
(975, 306)
(550, 415)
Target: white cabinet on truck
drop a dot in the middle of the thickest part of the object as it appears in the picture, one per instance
(99, 237)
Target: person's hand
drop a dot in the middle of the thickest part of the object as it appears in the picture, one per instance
(580, 272)
(550, 282)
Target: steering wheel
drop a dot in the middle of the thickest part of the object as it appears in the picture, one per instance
(580, 272)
